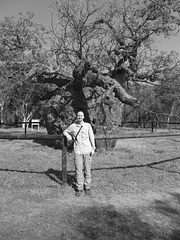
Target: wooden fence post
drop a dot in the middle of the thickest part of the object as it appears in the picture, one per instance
(152, 126)
(25, 128)
(64, 161)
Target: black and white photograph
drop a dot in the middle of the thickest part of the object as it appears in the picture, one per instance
(89, 119)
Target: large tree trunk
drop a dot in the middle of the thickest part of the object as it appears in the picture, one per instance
(100, 97)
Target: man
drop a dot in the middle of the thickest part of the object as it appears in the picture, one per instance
(84, 147)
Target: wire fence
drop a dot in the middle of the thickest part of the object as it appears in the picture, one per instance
(99, 137)
(153, 125)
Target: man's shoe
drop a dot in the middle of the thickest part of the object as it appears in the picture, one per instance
(87, 191)
(78, 193)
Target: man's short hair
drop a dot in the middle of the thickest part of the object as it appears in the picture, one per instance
(80, 112)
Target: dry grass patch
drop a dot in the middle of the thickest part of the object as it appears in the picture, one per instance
(135, 192)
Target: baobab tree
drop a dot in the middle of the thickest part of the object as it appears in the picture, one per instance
(101, 50)
(98, 52)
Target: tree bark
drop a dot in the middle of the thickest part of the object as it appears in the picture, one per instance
(80, 88)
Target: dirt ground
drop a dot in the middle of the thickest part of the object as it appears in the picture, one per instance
(135, 192)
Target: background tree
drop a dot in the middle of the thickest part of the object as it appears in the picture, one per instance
(159, 100)
(167, 92)
(21, 46)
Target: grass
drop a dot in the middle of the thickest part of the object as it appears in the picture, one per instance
(135, 192)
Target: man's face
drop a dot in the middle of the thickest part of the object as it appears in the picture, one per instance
(80, 116)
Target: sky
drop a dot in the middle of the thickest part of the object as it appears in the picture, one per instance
(41, 9)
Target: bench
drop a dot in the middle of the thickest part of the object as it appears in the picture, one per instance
(35, 123)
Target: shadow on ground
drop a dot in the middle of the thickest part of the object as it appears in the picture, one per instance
(54, 175)
(89, 219)
(86, 223)
(97, 221)
(105, 222)
(171, 209)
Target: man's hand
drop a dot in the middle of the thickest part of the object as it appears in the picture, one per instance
(69, 138)
(92, 151)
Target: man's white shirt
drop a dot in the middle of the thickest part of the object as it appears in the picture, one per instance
(85, 142)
